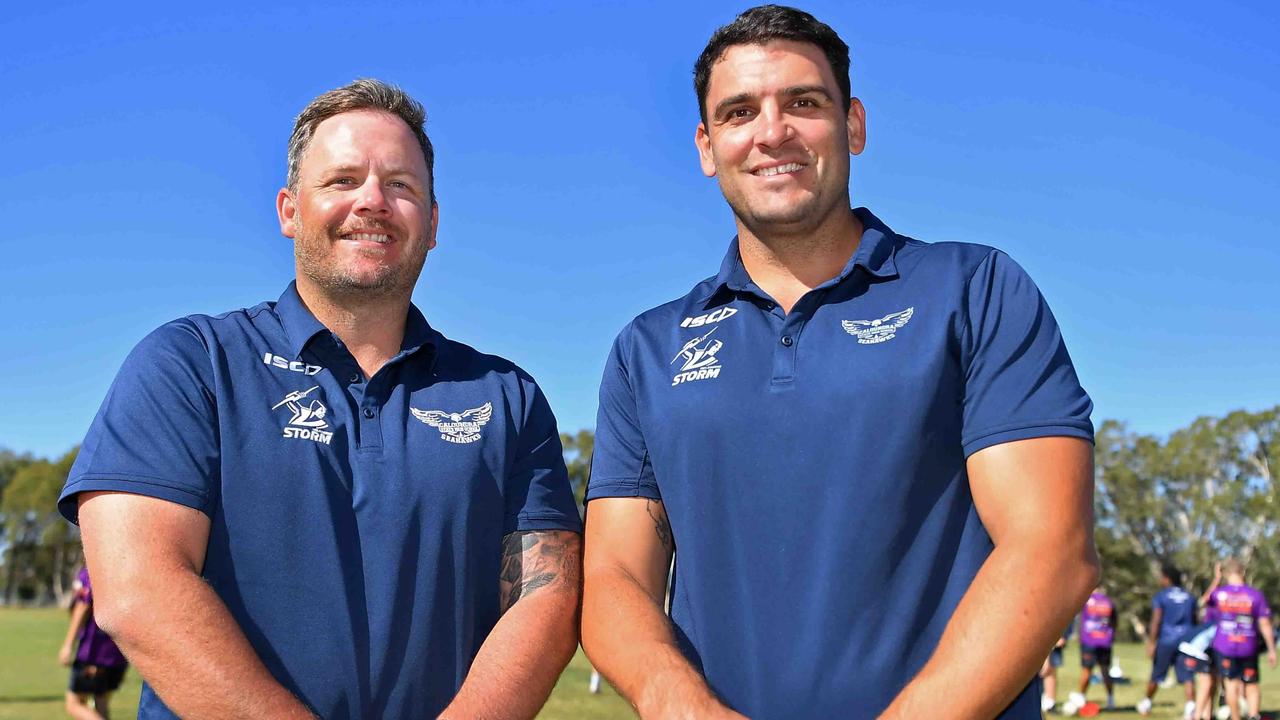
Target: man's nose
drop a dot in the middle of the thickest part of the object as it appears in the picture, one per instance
(372, 199)
(772, 128)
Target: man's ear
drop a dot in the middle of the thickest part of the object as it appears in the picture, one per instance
(287, 213)
(856, 126)
(702, 139)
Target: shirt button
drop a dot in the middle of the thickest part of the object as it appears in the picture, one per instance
(769, 306)
(355, 377)
(787, 341)
(368, 413)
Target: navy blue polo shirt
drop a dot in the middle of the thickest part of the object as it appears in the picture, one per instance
(357, 523)
(1178, 614)
(812, 464)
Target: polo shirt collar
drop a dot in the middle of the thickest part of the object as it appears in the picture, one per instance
(875, 255)
(300, 326)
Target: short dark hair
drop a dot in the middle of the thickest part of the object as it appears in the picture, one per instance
(362, 94)
(1171, 571)
(758, 26)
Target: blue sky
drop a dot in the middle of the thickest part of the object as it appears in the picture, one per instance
(1125, 153)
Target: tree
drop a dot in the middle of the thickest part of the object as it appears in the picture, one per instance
(1205, 493)
(577, 457)
(42, 550)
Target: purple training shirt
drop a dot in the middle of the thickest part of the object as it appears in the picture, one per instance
(95, 646)
(1097, 629)
(1236, 609)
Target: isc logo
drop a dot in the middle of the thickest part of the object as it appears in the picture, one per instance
(714, 316)
(286, 364)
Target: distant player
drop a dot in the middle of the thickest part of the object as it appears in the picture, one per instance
(1173, 614)
(1097, 633)
(1049, 671)
(1242, 614)
(97, 665)
(1194, 652)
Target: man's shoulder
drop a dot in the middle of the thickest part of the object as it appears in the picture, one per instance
(963, 258)
(689, 310)
(198, 333)
(459, 360)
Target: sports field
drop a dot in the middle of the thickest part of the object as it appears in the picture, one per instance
(32, 682)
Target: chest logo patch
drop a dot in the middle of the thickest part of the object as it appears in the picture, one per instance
(699, 359)
(870, 332)
(461, 428)
(308, 417)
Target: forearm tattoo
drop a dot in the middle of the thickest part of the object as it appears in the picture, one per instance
(660, 524)
(538, 559)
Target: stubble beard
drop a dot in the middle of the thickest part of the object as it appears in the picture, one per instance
(315, 251)
(794, 221)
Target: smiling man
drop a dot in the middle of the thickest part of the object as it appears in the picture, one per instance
(869, 455)
(320, 505)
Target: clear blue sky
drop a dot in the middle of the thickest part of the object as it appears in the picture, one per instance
(1125, 153)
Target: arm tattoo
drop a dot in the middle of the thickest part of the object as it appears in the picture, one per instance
(537, 559)
(660, 524)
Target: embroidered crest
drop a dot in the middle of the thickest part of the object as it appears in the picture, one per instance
(461, 428)
(870, 332)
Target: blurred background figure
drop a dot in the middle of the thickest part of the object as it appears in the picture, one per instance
(1242, 615)
(1049, 671)
(1173, 615)
(97, 665)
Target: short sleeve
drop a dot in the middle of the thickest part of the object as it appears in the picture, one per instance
(1264, 610)
(1019, 380)
(538, 495)
(156, 433)
(620, 465)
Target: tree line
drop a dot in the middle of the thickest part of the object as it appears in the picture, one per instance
(1197, 496)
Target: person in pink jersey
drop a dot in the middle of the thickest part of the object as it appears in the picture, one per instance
(97, 665)
(1242, 617)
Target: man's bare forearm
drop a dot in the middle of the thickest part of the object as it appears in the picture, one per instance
(1033, 592)
(518, 664)
(540, 586)
(628, 638)
(190, 650)
(143, 555)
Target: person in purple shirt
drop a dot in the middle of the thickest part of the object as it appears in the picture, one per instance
(97, 665)
(1242, 615)
(1097, 633)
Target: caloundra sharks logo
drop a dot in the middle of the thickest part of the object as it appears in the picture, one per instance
(870, 332)
(461, 428)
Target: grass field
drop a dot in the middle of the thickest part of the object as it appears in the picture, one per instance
(32, 682)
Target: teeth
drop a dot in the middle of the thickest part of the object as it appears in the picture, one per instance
(778, 169)
(370, 237)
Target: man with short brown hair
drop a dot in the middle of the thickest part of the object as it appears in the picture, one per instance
(321, 505)
(869, 455)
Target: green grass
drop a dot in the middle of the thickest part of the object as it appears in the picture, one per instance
(32, 683)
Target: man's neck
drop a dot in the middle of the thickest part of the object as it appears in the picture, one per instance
(370, 326)
(788, 264)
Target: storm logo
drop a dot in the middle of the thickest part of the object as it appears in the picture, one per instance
(308, 419)
(700, 362)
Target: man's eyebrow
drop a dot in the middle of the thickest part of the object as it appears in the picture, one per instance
(360, 169)
(806, 89)
(730, 101)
